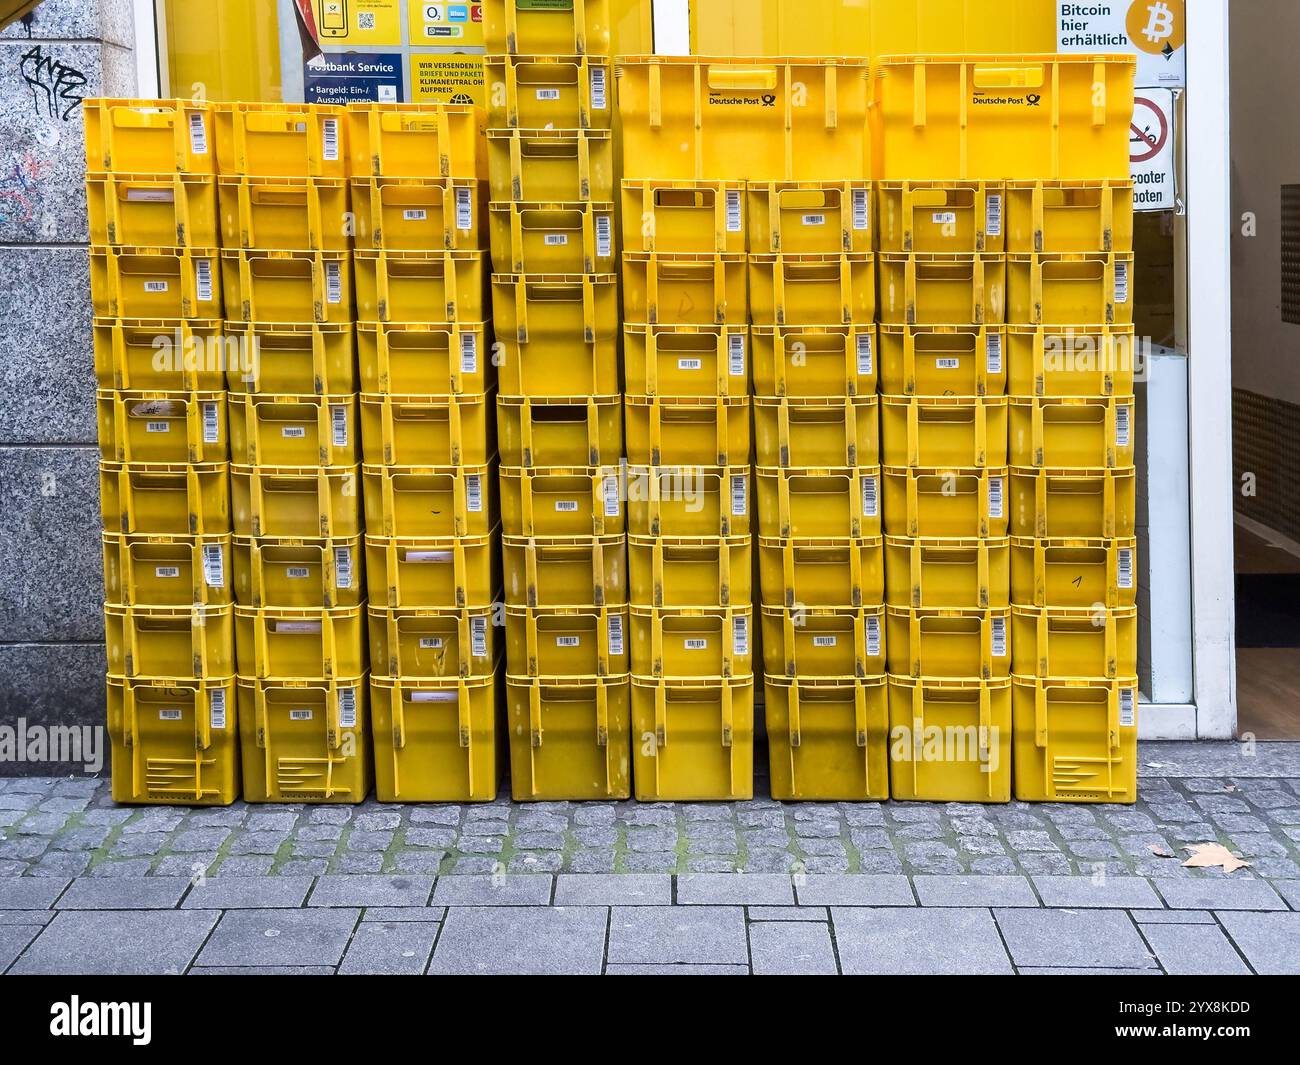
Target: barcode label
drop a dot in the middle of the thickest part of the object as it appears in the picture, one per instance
(604, 236)
(431, 643)
(695, 644)
(347, 708)
(158, 427)
(555, 240)
(568, 641)
(469, 353)
(1121, 281)
(814, 219)
(613, 504)
(998, 637)
(474, 493)
(203, 280)
(1124, 568)
(434, 697)
(155, 286)
(167, 571)
(993, 345)
(150, 196)
(1127, 708)
(548, 94)
(1122, 425)
(217, 708)
(169, 715)
(298, 573)
(211, 428)
(690, 364)
(415, 214)
(478, 637)
(343, 567)
(948, 364)
(615, 635)
(339, 420)
(861, 216)
(740, 634)
(214, 565)
(869, 500)
(945, 218)
(465, 209)
(198, 133)
(825, 641)
(300, 715)
(866, 355)
(333, 283)
(566, 506)
(421, 558)
(740, 496)
(873, 637)
(330, 140)
(598, 88)
(736, 355)
(294, 432)
(995, 497)
(993, 219)
(733, 211)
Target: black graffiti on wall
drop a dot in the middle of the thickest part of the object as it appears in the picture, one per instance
(56, 87)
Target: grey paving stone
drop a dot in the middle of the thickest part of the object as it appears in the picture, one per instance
(521, 940)
(248, 893)
(1029, 970)
(591, 861)
(310, 848)
(1219, 893)
(530, 820)
(1145, 917)
(858, 889)
(532, 862)
(521, 890)
(1270, 941)
(60, 864)
(262, 970)
(122, 867)
(199, 840)
(918, 941)
(139, 893)
(87, 838)
(974, 891)
(481, 844)
(368, 842)
(1194, 950)
(432, 914)
(1043, 864)
(653, 862)
(419, 862)
(303, 867)
(594, 815)
(788, 913)
(646, 840)
(38, 918)
(14, 939)
(439, 838)
(258, 842)
(184, 866)
(670, 935)
(279, 937)
(1083, 892)
(386, 890)
(357, 864)
(677, 970)
(821, 865)
(26, 893)
(620, 889)
(398, 948)
(736, 889)
(140, 845)
(879, 862)
(792, 949)
(113, 942)
(1288, 889)
(1061, 938)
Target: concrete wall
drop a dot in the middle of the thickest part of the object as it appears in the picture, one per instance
(51, 628)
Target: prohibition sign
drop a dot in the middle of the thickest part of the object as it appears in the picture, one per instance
(1144, 145)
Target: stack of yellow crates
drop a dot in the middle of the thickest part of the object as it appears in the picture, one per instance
(164, 472)
(295, 447)
(560, 424)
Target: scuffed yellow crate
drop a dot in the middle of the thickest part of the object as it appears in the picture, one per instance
(282, 139)
(1054, 502)
(567, 641)
(690, 571)
(163, 355)
(153, 210)
(815, 361)
(1074, 573)
(416, 140)
(1075, 360)
(942, 217)
(689, 500)
(817, 432)
(819, 503)
(418, 214)
(561, 571)
(551, 165)
(421, 286)
(288, 643)
(309, 214)
(685, 289)
(809, 642)
(810, 217)
(948, 574)
(562, 501)
(149, 282)
(942, 289)
(831, 289)
(692, 641)
(957, 431)
(560, 430)
(416, 358)
(1065, 289)
(553, 238)
(932, 502)
(308, 430)
(1069, 216)
(940, 360)
(516, 27)
(296, 501)
(419, 643)
(949, 644)
(165, 498)
(407, 501)
(287, 286)
(681, 430)
(167, 570)
(292, 358)
(686, 360)
(299, 573)
(828, 738)
(540, 91)
(149, 136)
(1073, 431)
(162, 427)
(1074, 643)
(440, 571)
(822, 573)
(691, 217)
(427, 430)
(176, 641)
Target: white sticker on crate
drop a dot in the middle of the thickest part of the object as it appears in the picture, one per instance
(870, 500)
(548, 95)
(347, 708)
(154, 287)
(169, 714)
(690, 364)
(333, 283)
(740, 635)
(217, 708)
(150, 196)
(613, 502)
(825, 641)
(343, 567)
(814, 219)
(300, 715)
(478, 636)
(993, 351)
(424, 557)
(615, 635)
(736, 354)
(469, 353)
(431, 643)
(734, 223)
(434, 697)
(695, 644)
(339, 420)
(198, 133)
(568, 641)
(861, 214)
(1124, 568)
(995, 497)
(1123, 425)
(873, 636)
(330, 140)
(739, 496)
(993, 219)
(465, 209)
(566, 506)
(298, 573)
(474, 493)
(415, 214)
(945, 218)
(1121, 281)
(167, 571)
(604, 236)
(1127, 708)
(998, 637)
(866, 355)
(555, 240)
(948, 364)
(214, 565)
(294, 432)
(211, 424)
(296, 628)
(157, 427)
(598, 101)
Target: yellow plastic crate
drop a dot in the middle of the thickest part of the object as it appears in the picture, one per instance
(1078, 360)
(815, 361)
(817, 432)
(306, 501)
(941, 360)
(282, 642)
(689, 500)
(808, 642)
(691, 217)
(1078, 573)
(422, 643)
(415, 140)
(686, 360)
(828, 738)
(942, 217)
(419, 214)
(287, 286)
(560, 238)
(302, 213)
(684, 289)
(821, 574)
(292, 358)
(282, 139)
(1053, 502)
(153, 210)
(1077, 643)
(1072, 431)
(294, 430)
(569, 738)
(516, 27)
(174, 741)
(170, 641)
(1064, 289)
(139, 282)
(1069, 216)
(950, 740)
(166, 427)
(693, 739)
(447, 571)
(427, 430)
(693, 641)
(931, 289)
(558, 334)
(812, 289)
(990, 117)
(688, 118)
(562, 501)
(549, 91)
(305, 740)
(161, 355)
(567, 641)
(300, 574)
(708, 430)
(411, 501)
(560, 431)
(551, 165)
(184, 500)
(416, 359)
(932, 502)
(948, 574)
(690, 571)
(562, 571)
(949, 644)
(421, 286)
(1075, 740)
(146, 570)
(149, 136)
(819, 503)
(437, 740)
(810, 217)
(962, 431)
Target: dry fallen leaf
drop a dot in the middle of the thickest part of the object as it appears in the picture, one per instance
(1159, 850)
(1212, 855)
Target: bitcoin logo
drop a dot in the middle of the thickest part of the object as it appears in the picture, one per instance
(1161, 25)
(1157, 26)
